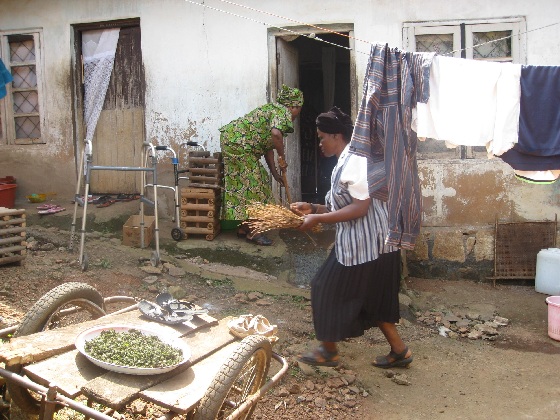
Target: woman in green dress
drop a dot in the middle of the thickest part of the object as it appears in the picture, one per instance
(243, 142)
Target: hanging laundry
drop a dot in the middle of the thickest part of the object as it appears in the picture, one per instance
(5, 78)
(472, 103)
(393, 83)
(538, 148)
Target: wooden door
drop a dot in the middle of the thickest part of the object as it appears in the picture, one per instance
(120, 130)
(287, 57)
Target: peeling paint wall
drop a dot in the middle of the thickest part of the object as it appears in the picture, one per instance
(461, 201)
(204, 68)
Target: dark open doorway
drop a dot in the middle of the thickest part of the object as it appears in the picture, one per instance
(324, 77)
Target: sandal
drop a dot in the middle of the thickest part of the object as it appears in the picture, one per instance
(52, 210)
(106, 203)
(320, 357)
(46, 206)
(399, 360)
(260, 239)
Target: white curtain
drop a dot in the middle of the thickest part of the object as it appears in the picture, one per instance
(98, 51)
(329, 75)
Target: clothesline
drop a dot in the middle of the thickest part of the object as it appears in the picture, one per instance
(311, 36)
(316, 38)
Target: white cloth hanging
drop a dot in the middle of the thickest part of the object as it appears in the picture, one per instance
(472, 103)
(98, 51)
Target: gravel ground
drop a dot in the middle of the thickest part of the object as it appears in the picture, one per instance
(511, 374)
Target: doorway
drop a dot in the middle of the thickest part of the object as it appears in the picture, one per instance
(120, 131)
(326, 75)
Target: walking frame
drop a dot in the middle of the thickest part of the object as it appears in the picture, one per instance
(176, 233)
(149, 162)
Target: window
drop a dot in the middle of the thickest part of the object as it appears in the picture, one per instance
(21, 119)
(502, 41)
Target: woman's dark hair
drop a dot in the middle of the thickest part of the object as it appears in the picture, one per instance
(335, 122)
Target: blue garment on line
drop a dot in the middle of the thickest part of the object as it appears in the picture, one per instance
(539, 117)
(538, 148)
(5, 78)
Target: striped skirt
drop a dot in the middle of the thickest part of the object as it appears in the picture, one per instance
(347, 300)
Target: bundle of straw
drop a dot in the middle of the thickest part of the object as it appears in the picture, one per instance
(264, 217)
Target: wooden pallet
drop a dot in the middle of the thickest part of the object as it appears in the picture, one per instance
(12, 236)
(200, 209)
(205, 170)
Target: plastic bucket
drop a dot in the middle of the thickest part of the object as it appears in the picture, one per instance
(8, 195)
(547, 279)
(553, 317)
(8, 180)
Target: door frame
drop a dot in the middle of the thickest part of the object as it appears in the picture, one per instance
(77, 87)
(272, 88)
(273, 33)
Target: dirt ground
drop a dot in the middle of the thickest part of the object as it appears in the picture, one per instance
(466, 366)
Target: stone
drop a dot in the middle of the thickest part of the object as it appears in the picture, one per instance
(474, 335)
(335, 382)
(354, 389)
(349, 378)
(253, 296)
(150, 279)
(405, 299)
(178, 292)
(485, 329)
(139, 407)
(176, 271)
(451, 318)
(295, 389)
(47, 247)
(282, 392)
(150, 269)
(462, 323)
(501, 321)
(401, 380)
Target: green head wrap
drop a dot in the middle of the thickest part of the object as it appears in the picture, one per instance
(288, 96)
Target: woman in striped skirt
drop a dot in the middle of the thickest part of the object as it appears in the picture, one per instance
(357, 286)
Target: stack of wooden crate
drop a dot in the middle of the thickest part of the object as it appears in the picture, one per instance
(201, 199)
(12, 236)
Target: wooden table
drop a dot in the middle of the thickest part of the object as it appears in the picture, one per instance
(50, 359)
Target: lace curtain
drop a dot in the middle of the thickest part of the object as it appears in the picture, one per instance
(98, 50)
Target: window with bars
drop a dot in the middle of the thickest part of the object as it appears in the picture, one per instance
(490, 40)
(21, 111)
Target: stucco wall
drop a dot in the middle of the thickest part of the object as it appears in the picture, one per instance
(204, 68)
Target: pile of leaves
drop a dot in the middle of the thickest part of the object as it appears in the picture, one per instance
(132, 348)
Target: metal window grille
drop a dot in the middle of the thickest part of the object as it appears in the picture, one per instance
(21, 115)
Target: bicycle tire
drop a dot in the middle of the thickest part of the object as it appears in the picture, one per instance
(39, 318)
(252, 356)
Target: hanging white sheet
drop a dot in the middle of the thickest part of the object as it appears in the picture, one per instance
(98, 51)
(472, 103)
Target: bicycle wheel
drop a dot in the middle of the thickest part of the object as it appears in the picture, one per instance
(67, 304)
(242, 375)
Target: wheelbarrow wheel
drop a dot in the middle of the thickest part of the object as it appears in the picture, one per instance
(64, 305)
(242, 375)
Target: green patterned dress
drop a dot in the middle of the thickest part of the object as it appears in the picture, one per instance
(243, 142)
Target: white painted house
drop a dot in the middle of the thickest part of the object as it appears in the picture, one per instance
(185, 68)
